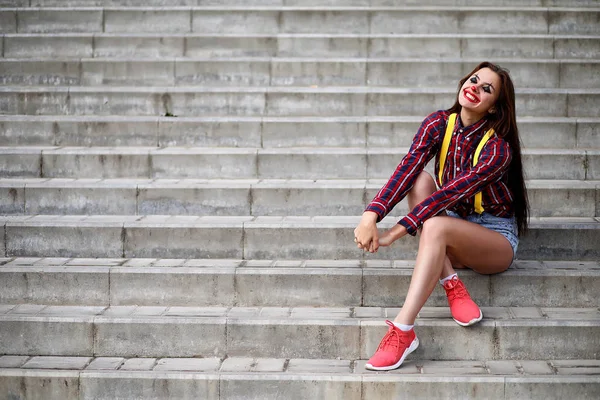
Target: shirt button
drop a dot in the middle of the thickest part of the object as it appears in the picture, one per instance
(460, 131)
(458, 169)
(459, 147)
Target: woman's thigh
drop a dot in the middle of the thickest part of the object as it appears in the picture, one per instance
(470, 244)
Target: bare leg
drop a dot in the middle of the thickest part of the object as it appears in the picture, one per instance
(442, 236)
(423, 187)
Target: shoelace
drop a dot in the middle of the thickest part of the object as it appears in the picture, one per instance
(458, 291)
(391, 339)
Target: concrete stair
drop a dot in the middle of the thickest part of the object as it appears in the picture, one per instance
(179, 182)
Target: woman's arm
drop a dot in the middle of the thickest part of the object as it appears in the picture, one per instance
(492, 164)
(424, 147)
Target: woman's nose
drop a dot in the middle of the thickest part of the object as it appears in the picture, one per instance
(474, 88)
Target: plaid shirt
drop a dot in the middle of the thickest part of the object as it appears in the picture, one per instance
(461, 181)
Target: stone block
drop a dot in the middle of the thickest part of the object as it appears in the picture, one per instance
(207, 132)
(147, 21)
(507, 47)
(105, 363)
(186, 242)
(54, 285)
(548, 339)
(409, 46)
(134, 73)
(34, 72)
(121, 45)
(297, 287)
(414, 21)
(550, 387)
(576, 47)
(313, 133)
(159, 337)
(393, 387)
(24, 165)
(188, 364)
(138, 364)
(204, 164)
(79, 163)
(312, 339)
(8, 21)
(331, 46)
(120, 101)
(202, 200)
(98, 200)
(586, 73)
(182, 286)
(12, 361)
(410, 74)
(29, 335)
(105, 132)
(234, 21)
(315, 104)
(47, 46)
(39, 385)
(52, 240)
(138, 384)
(295, 387)
(312, 164)
(12, 199)
(63, 21)
(548, 289)
(325, 21)
(224, 73)
(231, 46)
(61, 363)
(317, 73)
(573, 21)
(582, 105)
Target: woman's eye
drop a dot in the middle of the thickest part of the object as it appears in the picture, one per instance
(474, 79)
(487, 89)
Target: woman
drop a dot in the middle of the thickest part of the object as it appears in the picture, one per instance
(475, 217)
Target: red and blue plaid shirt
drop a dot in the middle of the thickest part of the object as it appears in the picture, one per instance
(461, 181)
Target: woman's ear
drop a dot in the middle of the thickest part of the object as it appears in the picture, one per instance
(492, 110)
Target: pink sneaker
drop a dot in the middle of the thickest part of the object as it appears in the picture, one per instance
(464, 310)
(393, 349)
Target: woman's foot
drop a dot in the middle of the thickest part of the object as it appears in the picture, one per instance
(393, 349)
(464, 310)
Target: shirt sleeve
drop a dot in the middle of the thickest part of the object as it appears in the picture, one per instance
(423, 149)
(493, 162)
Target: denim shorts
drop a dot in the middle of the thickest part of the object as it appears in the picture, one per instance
(507, 227)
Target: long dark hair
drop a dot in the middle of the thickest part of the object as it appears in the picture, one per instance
(504, 123)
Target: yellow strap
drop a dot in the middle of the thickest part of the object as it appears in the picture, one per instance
(446, 144)
(478, 196)
(444, 153)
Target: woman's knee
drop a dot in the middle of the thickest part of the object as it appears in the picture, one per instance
(436, 227)
(423, 187)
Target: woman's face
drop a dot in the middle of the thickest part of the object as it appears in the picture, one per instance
(480, 92)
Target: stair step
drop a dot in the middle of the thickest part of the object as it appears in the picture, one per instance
(280, 283)
(265, 132)
(348, 333)
(251, 163)
(277, 19)
(548, 198)
(526, 73)
(479, 45)
(265, 378)
(245, 237)
(275, 101)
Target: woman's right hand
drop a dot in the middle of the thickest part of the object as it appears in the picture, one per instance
(366, 235)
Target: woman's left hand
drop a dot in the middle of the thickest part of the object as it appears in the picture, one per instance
(391, 235)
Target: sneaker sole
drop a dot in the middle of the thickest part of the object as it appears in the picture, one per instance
(413, 346)
(471, 322)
